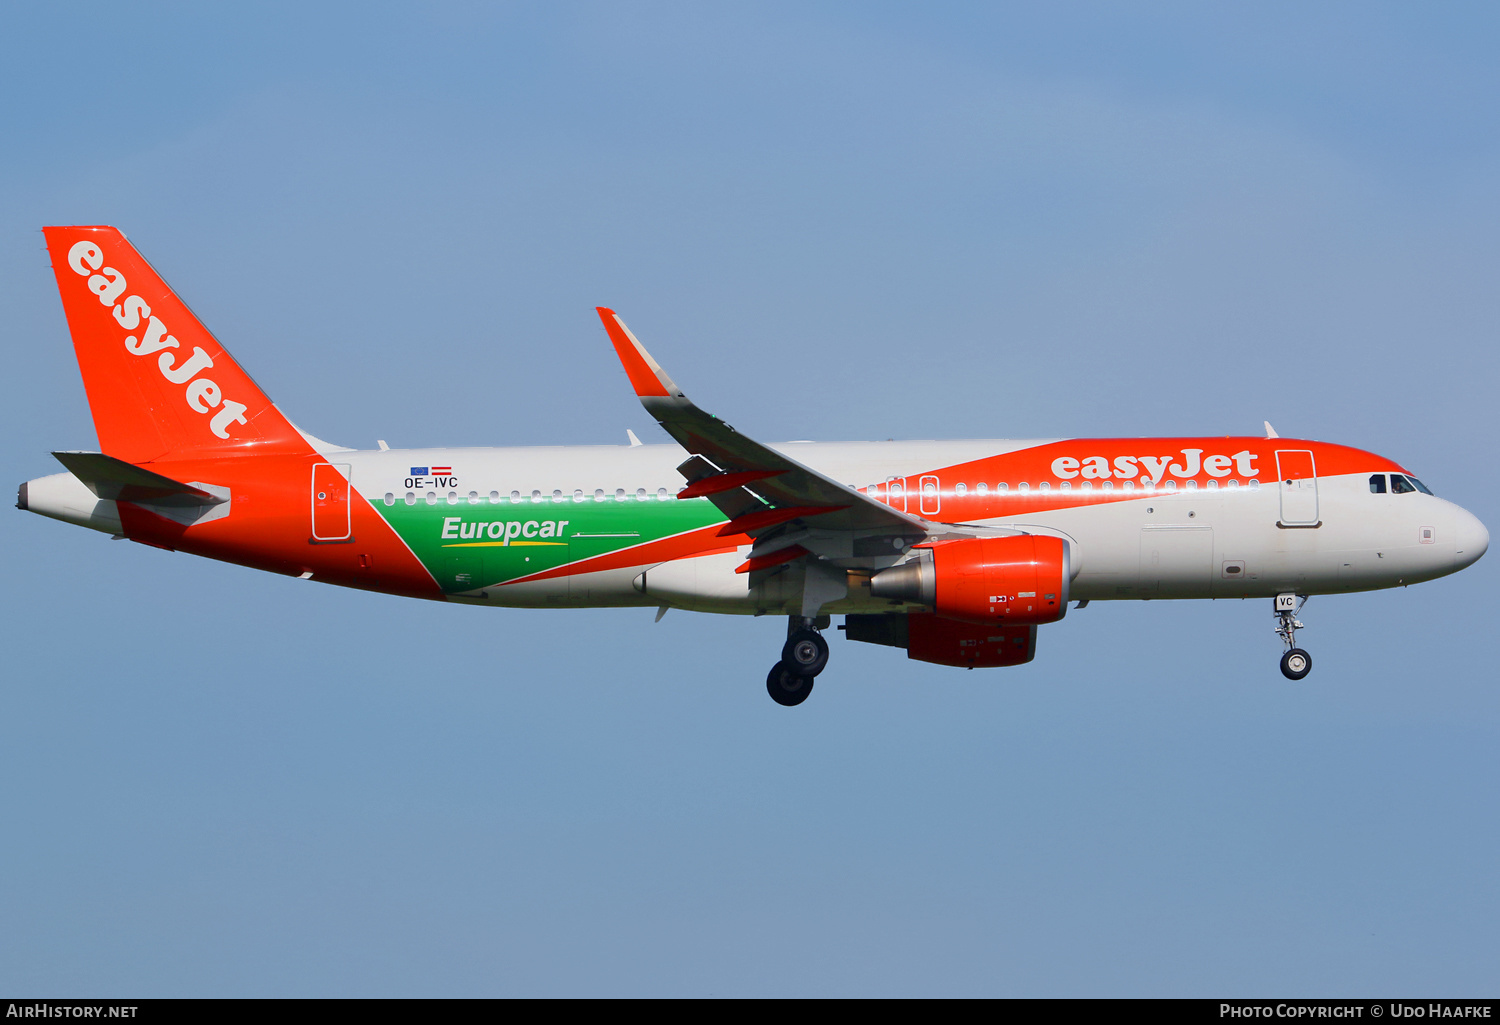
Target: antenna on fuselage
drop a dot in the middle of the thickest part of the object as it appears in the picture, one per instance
(1270, 431)
(634, 441)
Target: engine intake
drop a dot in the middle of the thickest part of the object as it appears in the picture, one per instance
(1014, 580)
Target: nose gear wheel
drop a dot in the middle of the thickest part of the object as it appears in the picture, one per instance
(1295, 663)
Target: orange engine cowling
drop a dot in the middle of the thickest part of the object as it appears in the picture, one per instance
(1021, 580)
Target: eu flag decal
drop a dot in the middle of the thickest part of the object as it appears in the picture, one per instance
(420, 471)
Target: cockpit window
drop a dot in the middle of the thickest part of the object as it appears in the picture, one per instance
(1420, 486)
(1400, 485)
(1377, 483)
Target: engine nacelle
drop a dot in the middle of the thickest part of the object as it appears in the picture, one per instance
(1021, 580)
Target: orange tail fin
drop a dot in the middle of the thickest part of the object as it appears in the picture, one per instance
(159, 385)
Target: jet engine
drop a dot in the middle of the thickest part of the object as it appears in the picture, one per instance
(1021, 580)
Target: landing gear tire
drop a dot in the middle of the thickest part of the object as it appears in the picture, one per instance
(805, 653)
(1296, 664)
(787, 687)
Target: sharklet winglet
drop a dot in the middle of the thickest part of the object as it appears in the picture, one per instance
(646, 375)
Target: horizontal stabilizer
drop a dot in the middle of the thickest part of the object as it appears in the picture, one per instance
(117, 480)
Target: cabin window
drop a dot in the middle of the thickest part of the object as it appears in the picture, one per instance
(960, 489)
(1023, 486)
(411, 498)
(1213, 485)
(640, 494)
(390, 499)
(1002, 486)
(578, 494)
(982, 488)
(1087, 485)
(515, 498)
(453, 498)
(432, 498)
(1171, 485)
(1377, 483)
(536, 496)
(662, 494)
(473, 498)
(1067, 485)
(599, 495)
(494, 498)
(1128, 485)
(1400, 485)
(1109, 485)
(1192, 485)
(1254, 484)
(1231, 483)
(1045, 486)
(619, 494)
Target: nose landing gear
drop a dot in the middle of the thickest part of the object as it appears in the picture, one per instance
(1295, 663)
(803, 657)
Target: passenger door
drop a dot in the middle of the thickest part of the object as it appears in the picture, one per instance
(1297, 480)
(330, 502)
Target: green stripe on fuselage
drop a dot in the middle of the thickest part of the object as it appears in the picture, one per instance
(467, 546)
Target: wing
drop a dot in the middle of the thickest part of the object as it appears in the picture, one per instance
(758, 488)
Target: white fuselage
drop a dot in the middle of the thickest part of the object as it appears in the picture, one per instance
(1228, 543)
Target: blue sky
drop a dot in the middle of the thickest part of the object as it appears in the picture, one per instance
(828, 221)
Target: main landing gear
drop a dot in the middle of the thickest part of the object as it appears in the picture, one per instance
(803, 657)
(1296, 663)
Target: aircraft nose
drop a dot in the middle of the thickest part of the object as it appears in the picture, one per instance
(1470, 539)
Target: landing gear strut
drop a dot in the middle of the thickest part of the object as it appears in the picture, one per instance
(1296, 663)
(803, 657)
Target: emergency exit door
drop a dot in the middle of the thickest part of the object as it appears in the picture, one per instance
(931, 492)
(330, 502)
(1297, 480)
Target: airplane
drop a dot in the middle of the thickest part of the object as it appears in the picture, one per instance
(956, 551)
